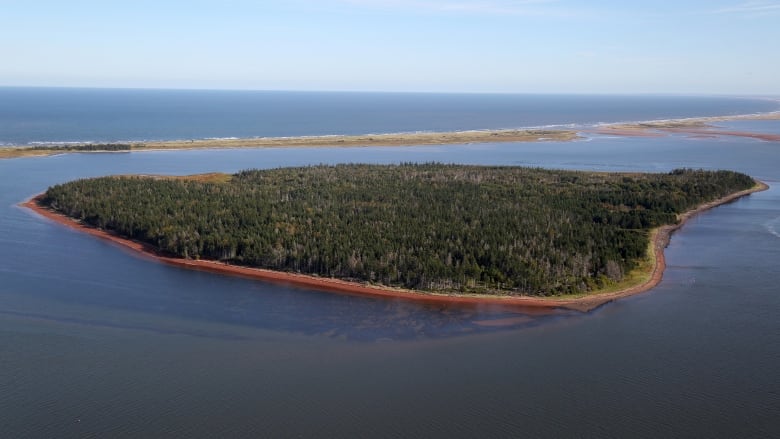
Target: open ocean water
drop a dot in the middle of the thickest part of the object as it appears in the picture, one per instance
(44, 115)
(99, 342)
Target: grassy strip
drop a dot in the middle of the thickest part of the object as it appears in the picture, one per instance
(408, 139)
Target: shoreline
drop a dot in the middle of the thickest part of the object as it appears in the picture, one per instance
(332, 141)
(699, 131)
(659, 240)
(695, 127)
(652, 128)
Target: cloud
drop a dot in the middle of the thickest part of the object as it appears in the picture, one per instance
(751, 8)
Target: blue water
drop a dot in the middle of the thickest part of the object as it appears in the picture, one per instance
(96, 341)
(750, 125)
(33, 115)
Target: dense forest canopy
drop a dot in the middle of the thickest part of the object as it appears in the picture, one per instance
(432, 227)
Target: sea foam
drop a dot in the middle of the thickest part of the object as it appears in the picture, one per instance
(772, 226)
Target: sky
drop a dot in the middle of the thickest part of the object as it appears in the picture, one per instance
(503, 46)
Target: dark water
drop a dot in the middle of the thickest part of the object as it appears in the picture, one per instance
(31, 115)
(98, 342)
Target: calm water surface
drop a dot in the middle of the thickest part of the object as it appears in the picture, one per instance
(98, 342)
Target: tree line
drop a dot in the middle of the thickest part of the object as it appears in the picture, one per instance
(86, 147)
(431, 227)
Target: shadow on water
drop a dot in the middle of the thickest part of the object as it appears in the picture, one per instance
(225, 308)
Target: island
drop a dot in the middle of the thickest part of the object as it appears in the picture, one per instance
(429, 232)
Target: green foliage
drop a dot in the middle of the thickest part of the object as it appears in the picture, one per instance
(86, 147)
(432, 227)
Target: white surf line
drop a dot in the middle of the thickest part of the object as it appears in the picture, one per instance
(772, 226)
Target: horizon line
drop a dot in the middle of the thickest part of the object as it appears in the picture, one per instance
(439, 92)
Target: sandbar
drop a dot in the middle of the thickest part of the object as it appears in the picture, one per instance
(656, 128)
(660, 239)
(368, 140)
(697, 127)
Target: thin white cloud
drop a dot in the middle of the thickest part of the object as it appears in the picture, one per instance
(751, 8)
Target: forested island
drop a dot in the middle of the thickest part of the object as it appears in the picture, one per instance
(437, 228)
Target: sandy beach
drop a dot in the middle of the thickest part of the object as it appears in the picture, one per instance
(695, 127)
(699, 132)
(660, 240)
(399, 139)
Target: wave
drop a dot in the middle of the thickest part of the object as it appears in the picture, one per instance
(773, 227)
(557, 126)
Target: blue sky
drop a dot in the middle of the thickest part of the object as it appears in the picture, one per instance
(543, 46)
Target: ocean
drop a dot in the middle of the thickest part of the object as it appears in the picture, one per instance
(57, 115)
(96, 341)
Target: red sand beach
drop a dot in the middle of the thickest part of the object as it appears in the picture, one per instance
(585, 303)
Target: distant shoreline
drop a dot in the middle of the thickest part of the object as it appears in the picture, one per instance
(660, 239)
(697, 126)
(368, 140)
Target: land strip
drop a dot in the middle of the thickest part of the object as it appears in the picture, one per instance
(700, 126)
(400, 139)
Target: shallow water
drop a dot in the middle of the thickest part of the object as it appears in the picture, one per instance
(98, 342)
